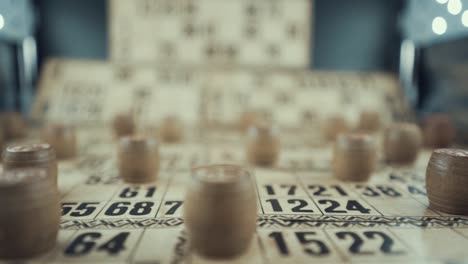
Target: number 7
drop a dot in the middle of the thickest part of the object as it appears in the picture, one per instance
(174, 208)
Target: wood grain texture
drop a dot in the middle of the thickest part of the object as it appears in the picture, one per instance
(354, 157)
(333, 126)
(62, 138)
(263, 145)
(123, 124)
(220, 210)
(138, 159)
(27, 194)
(13, 124)
(439, 131)
(447, 181)
(26, 155)
(402, 143)
(171, 130)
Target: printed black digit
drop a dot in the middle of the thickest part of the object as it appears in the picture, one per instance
(269, 190)
(339, 190)
(357, 243)
(368, 191)
(67, 207)
(387, 244)
(320, 190)
(115, 245)
(129, 192)
(316, 247)
(174, 207)
(150, 193)
(118, 208)
(291, 188)
(354, 205)
(333, 206)
(84, 209)
(415, 190)
(300, 206)
(389, 191)
(280, 243)
(275, 205)
(82, 244)
(141, 208)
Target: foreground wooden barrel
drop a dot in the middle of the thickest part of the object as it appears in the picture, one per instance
(220, 210)
(31, 155)
(447, 181)
(29, 215)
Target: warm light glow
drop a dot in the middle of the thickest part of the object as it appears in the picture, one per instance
(439, 25)
(454, 7)
(441, 1)
(465, 18)
(2, 22)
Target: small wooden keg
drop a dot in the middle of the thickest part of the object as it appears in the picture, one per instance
(171, 130)
(138, 159)
(35, 155)
(220, 210)
(402, 143)
(369, 121)
(333, 126)
(123, 125)
(13, 125)
(248, 119)
(263, 145)
(62, 138)
(29, 215)
(439, 131)
(447, 181)
(354, 157)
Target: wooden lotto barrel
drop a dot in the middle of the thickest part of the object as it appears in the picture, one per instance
(369, 121)
(171, 130)
(220, 210)
(447, 181)
(29, 215)
(402, 143)
(13, 125)
(333, 126)
(62, 138)
(248, 119)
(138, 159)
(36, 155)
(439, 131)
(123, 125)
(354, 157)
(263, 145)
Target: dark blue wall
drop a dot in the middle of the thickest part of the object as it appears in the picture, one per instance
(349, 35)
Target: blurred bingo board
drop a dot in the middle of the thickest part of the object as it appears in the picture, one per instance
(188, 32)
(91, 92)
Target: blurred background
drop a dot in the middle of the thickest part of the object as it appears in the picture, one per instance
(423, 41)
